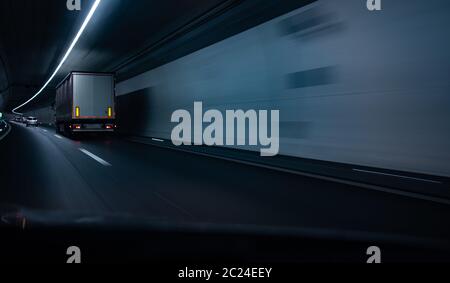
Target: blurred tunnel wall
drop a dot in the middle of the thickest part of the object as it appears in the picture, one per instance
(1, 101)
(352, 86)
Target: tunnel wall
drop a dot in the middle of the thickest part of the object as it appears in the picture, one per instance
(1, 102)
(352, 86)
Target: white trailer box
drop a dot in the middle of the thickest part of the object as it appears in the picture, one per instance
(85, 103)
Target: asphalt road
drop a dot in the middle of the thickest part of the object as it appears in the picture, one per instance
(43, 171)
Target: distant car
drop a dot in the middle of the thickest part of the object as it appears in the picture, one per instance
(31, 121)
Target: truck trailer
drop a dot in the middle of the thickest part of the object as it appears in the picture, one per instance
(85, 103)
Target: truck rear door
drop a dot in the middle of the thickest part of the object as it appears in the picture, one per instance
(93, 96)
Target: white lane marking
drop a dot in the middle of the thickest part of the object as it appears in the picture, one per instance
(158, 140)
(95, 157)
(59, 137)
(398, 176)
(44, 130)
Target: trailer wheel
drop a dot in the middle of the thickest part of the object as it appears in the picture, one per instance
(67, 131)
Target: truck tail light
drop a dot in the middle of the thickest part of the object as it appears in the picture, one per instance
(109, 127)
(110, 112)
(77, 127)
(77, 111)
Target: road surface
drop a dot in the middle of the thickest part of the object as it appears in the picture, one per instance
(44, 171)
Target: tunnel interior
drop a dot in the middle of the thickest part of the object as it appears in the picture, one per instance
(323, 120)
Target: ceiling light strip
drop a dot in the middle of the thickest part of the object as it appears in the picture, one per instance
(74, 42)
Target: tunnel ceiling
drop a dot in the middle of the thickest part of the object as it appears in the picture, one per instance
(35, 34)
(32, 35)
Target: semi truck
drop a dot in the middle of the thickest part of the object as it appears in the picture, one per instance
(85, 103)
